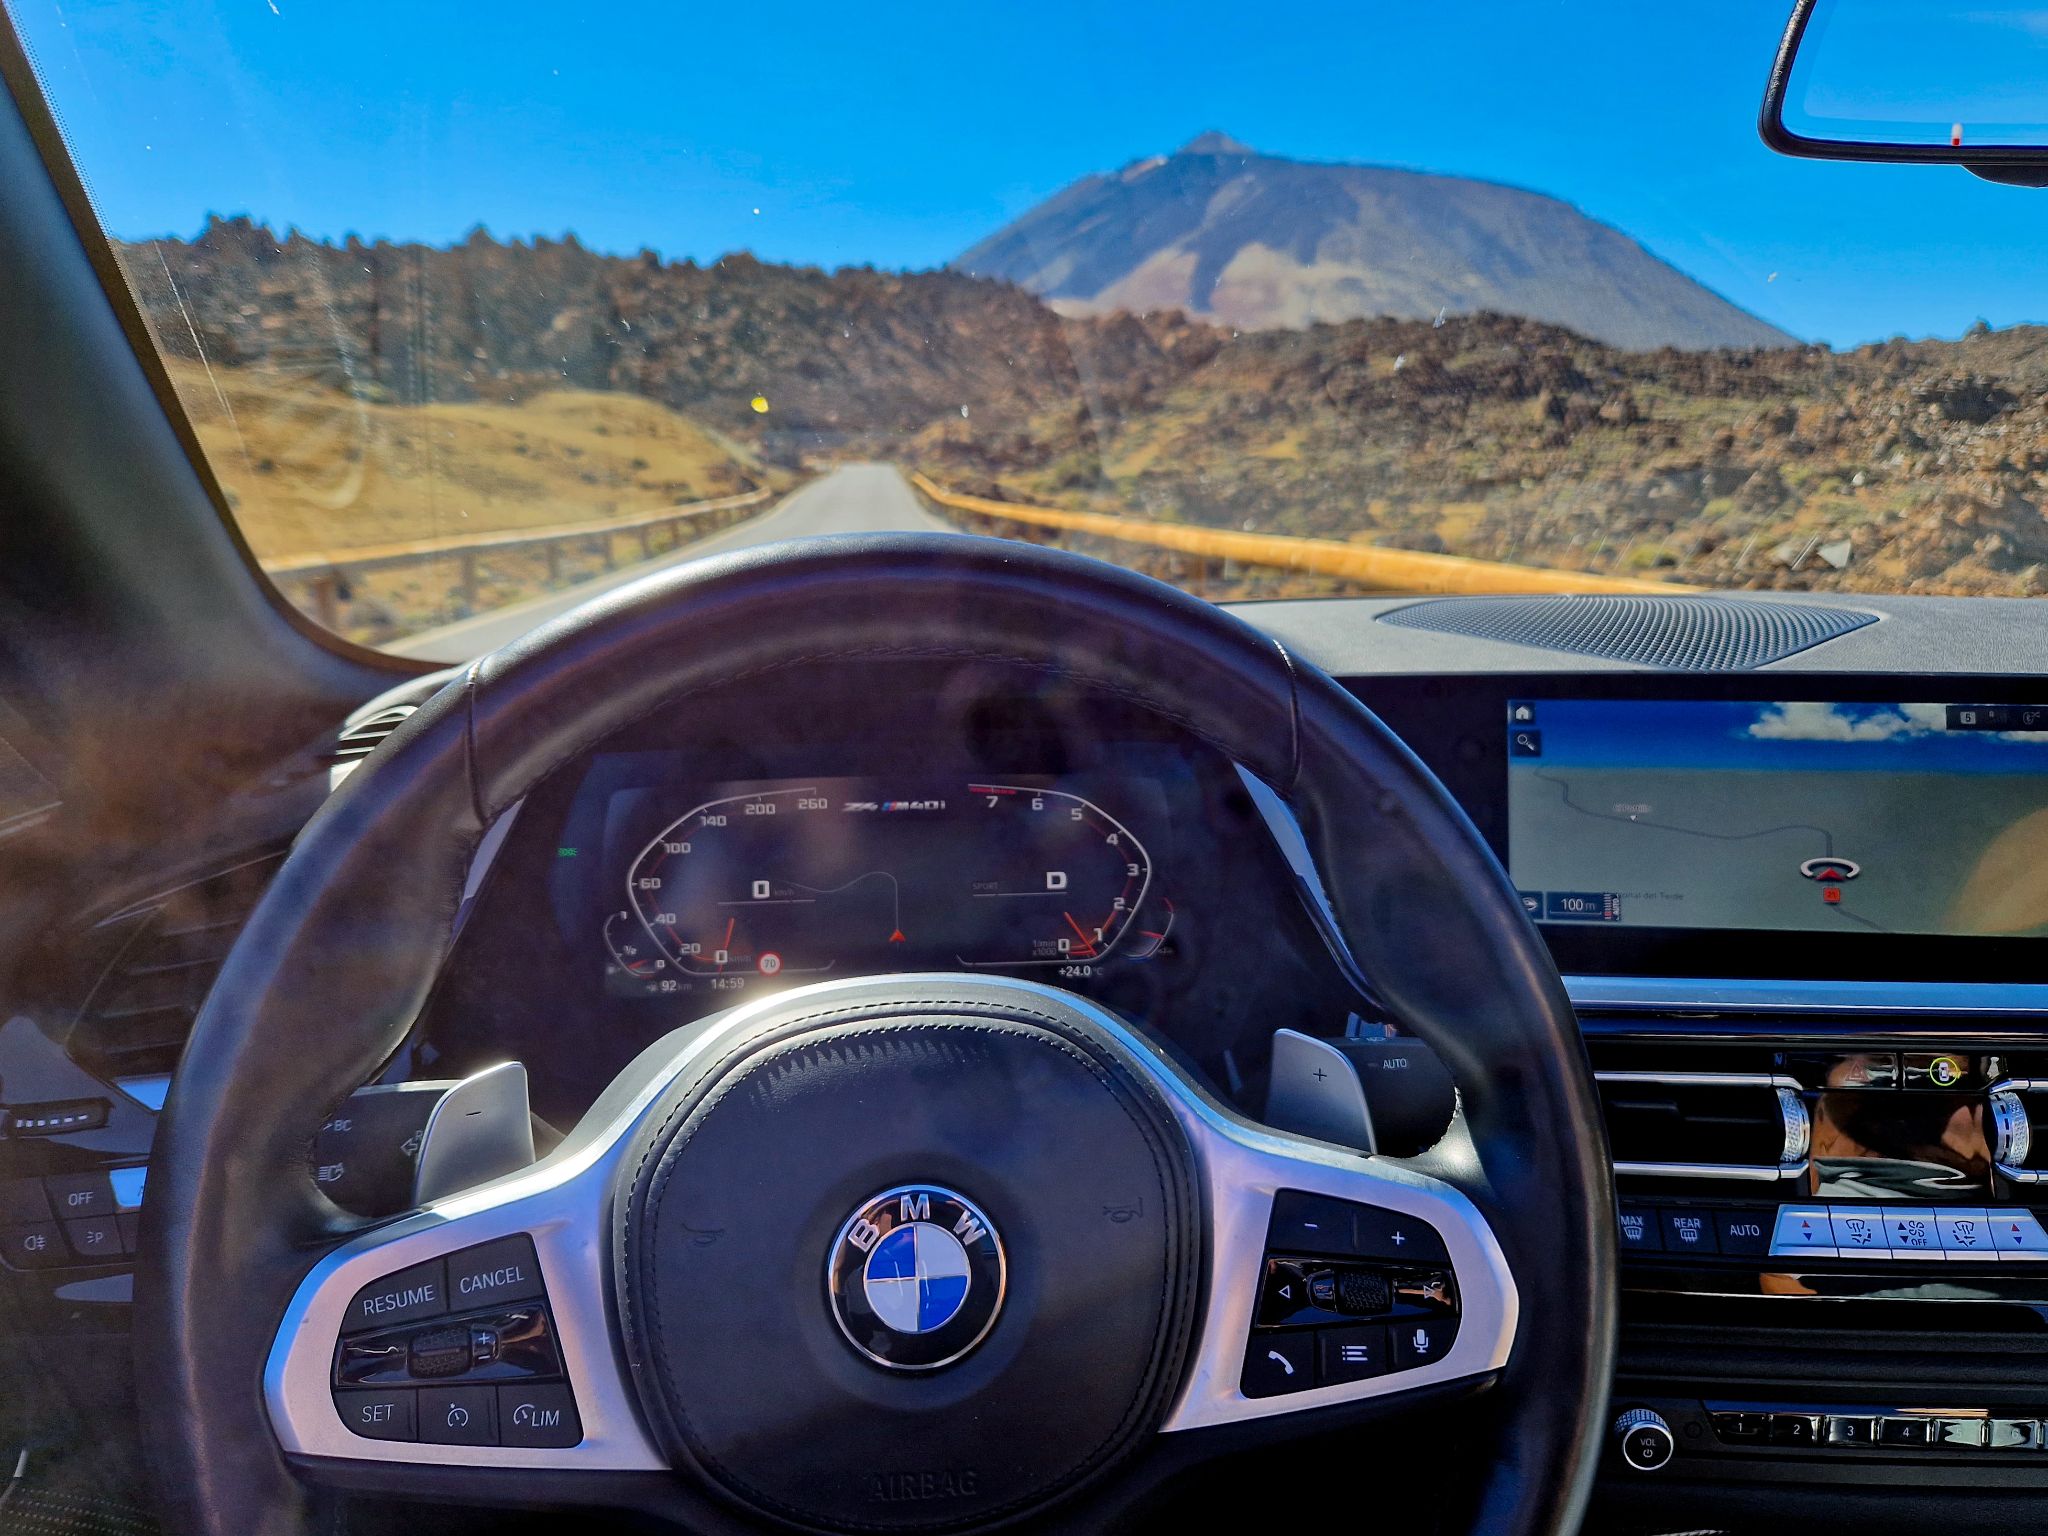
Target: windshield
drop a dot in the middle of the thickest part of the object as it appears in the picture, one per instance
(474, 316)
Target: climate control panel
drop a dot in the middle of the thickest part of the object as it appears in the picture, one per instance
(1835, 1230)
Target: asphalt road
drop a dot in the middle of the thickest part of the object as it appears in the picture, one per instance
(856, 498)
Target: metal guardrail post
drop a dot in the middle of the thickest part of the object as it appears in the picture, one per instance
(324, 577)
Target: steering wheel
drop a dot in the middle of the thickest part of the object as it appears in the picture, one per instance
(895, 1254)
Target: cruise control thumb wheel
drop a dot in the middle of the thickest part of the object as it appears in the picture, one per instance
(912, 1253)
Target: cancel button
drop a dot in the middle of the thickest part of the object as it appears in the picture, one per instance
(497, 1272)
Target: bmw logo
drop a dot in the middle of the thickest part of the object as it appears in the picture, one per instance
(916, 1277)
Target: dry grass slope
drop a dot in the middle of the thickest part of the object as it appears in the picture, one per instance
(309, 469)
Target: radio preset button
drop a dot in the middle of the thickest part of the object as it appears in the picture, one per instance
(2014, 1435)
(1802, 1429)
(1852, 1429)
(1959, 1433)
(1905, 1432)
(1740, 1427)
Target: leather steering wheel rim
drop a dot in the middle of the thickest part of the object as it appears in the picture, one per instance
(332, 968)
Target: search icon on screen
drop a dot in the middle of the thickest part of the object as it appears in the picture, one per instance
(1525, 744)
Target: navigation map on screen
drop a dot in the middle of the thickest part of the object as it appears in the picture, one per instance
(1894, 818)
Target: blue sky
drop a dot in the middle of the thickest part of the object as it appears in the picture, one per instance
(900, 134)
(1833, 738)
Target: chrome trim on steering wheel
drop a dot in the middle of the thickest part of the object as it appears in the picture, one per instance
(564, 1202)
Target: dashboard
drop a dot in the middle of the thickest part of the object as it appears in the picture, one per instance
(946, 822)
(1802, 909)
(1823, 827)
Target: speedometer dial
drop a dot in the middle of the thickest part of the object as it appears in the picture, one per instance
(852, 875)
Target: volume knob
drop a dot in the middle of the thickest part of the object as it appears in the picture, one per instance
(1645, 1440)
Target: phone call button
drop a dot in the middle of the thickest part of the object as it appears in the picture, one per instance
(1275, 1363)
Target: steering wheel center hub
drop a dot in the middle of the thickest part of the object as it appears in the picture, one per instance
(972, 1186)
(917, 1277)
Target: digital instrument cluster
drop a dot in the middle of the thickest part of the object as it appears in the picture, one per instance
(717, 886)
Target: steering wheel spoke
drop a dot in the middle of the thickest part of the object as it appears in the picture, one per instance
(475, 1332)
(1333, 1278)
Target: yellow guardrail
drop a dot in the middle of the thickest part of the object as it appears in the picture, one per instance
(1385, 570)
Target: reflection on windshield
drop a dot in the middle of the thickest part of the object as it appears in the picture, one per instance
(1253, 374)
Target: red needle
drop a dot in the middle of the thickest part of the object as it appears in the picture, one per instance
(1090, 943)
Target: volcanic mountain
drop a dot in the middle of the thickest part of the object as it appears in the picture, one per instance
(1257, 242)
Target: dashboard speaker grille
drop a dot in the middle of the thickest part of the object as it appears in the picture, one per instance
(1688, 634)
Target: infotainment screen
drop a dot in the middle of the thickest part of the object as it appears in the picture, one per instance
(1800, 816)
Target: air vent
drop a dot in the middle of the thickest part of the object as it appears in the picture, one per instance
(1685, 634)
(170, 949)
(359, 738)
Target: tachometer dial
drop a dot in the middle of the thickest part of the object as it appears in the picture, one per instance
(1062, 877)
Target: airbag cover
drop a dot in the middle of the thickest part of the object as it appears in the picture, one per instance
(742, 1187)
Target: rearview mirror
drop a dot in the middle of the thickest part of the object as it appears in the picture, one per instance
(1956, 82)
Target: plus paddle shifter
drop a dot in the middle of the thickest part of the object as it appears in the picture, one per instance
(1386, 1095)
